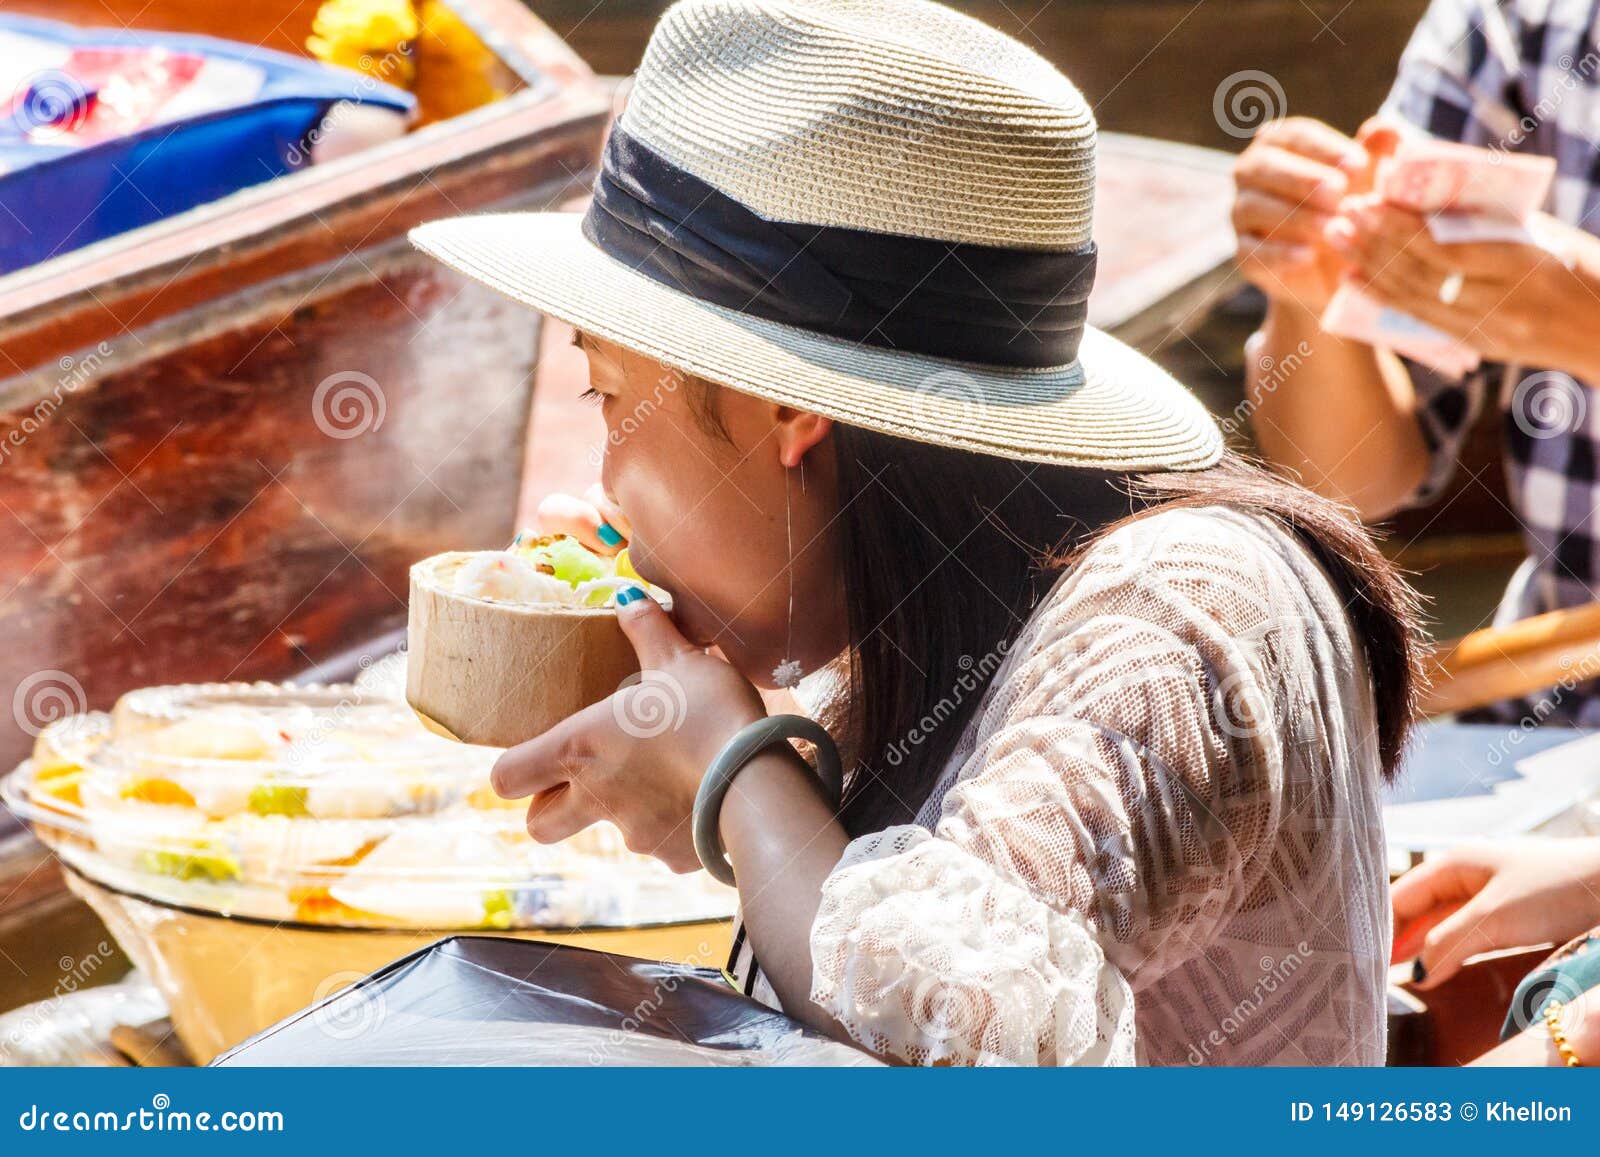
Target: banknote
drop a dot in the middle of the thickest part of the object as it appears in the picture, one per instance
(1428, 176)
(1355, 314)
(1467, 194)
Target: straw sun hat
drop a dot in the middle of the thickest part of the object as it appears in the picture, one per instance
(876, 210)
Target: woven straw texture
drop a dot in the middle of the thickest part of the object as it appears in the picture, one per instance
(896, 116)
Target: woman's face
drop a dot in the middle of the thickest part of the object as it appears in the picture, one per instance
(712, 517)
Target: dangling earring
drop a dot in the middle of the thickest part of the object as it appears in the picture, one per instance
(788, 672)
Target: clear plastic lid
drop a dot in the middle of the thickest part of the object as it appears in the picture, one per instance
(326, 805)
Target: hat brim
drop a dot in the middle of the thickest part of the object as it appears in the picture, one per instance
(1112, 409)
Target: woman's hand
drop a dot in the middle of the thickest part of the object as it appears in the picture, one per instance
(1518, 302)
(1580, 1023)
(636, 758)
(585, 519)
(1289, 183)
(1482, 897)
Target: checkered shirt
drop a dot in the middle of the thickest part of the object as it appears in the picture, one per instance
(1524, 76)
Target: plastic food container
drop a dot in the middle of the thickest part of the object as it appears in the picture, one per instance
(255, 847)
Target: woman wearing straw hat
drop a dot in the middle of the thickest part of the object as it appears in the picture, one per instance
(1114, 708)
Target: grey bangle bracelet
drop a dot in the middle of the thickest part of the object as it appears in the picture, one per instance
(730, 761)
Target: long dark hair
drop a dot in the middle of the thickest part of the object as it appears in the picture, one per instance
(946, 553)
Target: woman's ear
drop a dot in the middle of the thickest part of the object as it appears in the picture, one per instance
(798, 432)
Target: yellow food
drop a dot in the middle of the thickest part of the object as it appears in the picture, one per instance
(62, 784)
(161, 791)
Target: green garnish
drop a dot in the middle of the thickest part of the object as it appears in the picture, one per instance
(278, 799)
(216, 866)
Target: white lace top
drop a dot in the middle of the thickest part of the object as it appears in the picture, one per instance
(1159, 839)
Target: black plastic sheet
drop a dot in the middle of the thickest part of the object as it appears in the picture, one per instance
(483, 1000)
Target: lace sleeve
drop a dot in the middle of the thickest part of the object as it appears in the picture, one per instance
(927, 954)
(1123, 773)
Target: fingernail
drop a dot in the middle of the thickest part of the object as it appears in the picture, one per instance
(608, 534)
(1339, 233)
(1419, 971)
(629, 595)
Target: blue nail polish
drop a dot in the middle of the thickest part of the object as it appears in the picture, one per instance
(608, 534)
(629, 595)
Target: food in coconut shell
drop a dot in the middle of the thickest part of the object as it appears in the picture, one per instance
(503, 645)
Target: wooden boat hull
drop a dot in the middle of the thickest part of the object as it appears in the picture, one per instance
(225, 437)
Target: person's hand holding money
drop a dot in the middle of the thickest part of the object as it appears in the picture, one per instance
(1512, 300)
(1289, 184)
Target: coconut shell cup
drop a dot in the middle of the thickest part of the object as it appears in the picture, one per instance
(497, 673)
